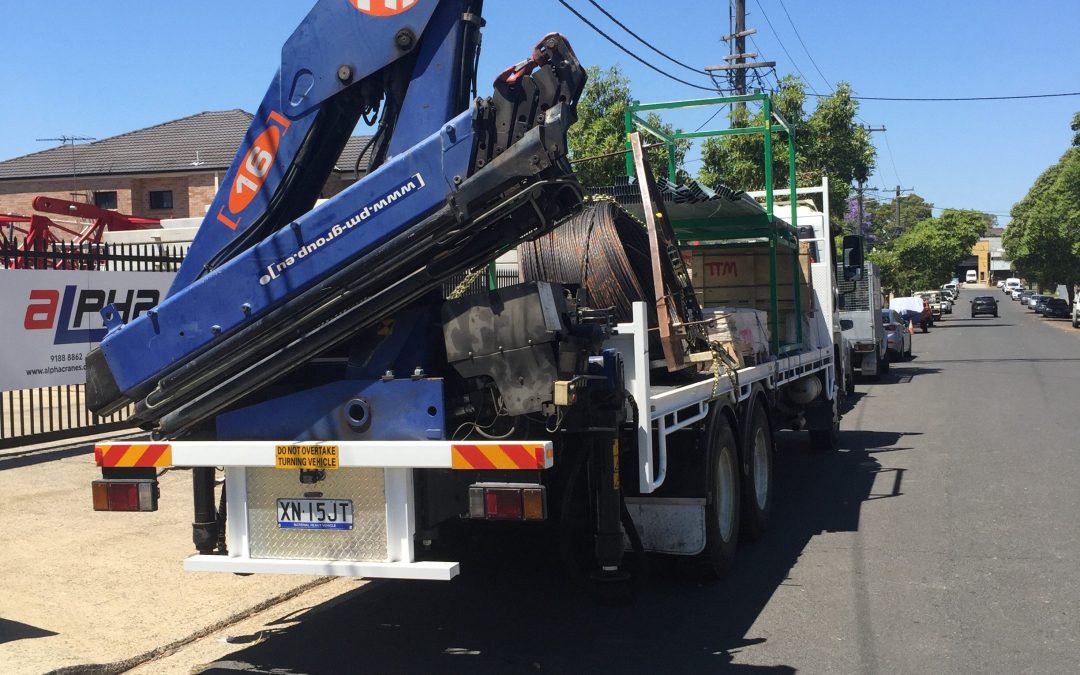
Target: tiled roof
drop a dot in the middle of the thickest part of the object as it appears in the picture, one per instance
(212, 137)
(346, 164)
(205, 141)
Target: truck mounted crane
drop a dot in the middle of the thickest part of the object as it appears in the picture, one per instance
(359, 413)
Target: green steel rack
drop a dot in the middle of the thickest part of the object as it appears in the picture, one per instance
(762, 229)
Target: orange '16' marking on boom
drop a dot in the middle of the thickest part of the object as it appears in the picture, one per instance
(382, 7)
(254, 168)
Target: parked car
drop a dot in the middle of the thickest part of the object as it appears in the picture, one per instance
(897, 335)
(1038, 303)
(1018, 294)
(1001, 284)
(934, 298)
(1076, 312)
(946, 302)
(952, 290)
(984, 304)
(1057, 308)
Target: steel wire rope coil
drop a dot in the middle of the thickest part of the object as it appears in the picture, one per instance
(603, 251)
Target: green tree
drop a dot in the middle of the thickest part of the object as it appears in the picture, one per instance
(827, 140)
(1043, 238)
(913, 209)
(600, 129)
(925, 255)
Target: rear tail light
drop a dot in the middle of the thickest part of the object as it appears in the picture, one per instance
(890, 326)
(125, 495)
(507, 501)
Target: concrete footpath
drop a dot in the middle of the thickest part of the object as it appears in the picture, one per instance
(80, 588)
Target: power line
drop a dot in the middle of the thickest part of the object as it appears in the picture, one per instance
(630, 53)
(945, 208)
(711, 117)
(642, 40)
(772, 71)
(957, 98)
(827, 83)
(891, 159)
(786, 52)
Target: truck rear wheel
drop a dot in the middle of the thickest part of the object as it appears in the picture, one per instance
(722, 501)
(757, 477)
(827, 440)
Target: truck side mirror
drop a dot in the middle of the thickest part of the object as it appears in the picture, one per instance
(853, 257)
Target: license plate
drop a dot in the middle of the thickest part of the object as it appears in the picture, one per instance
(315, 514)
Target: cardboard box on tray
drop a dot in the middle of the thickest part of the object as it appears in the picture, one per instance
(739, 277)
(741, 330)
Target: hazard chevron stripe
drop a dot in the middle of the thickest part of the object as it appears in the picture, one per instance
(133, 455)
(491, 456)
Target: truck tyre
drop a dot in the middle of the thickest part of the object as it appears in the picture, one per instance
(1075, 323)
(722, 500)
(757, 476)
(827, 440)
(878, 370)
(883, 364)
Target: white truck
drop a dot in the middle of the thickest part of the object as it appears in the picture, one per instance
(860, 312)
(359, 415)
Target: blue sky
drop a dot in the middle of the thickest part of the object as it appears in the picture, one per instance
(103, 68)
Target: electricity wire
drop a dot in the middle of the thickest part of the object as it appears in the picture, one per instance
(892, 160)
(761, 54)
(630, 53)
(943, 208)
(786, 52)
(808, 55)
(642, 40)
(958, 98)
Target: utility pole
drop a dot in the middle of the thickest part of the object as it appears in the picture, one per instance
(896, 225)
(740, 46)
(737, 63)
(859, 190)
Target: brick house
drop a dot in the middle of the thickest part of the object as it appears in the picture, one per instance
(170, 170)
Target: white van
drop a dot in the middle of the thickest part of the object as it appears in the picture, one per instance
(1011, 284)
(971, 277)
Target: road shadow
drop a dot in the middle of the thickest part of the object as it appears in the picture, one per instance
(11, 631)
(1027, 359)
(977, 322)
(848, 403)
(512, 610)
(20, 460)
(902, 372)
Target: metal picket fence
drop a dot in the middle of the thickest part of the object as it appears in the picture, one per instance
(29, 416)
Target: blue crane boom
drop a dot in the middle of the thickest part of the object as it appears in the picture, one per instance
(270, 282)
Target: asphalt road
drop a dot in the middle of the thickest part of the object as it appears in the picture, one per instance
(944, 538)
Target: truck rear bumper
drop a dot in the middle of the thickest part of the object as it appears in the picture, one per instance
(424, 571)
